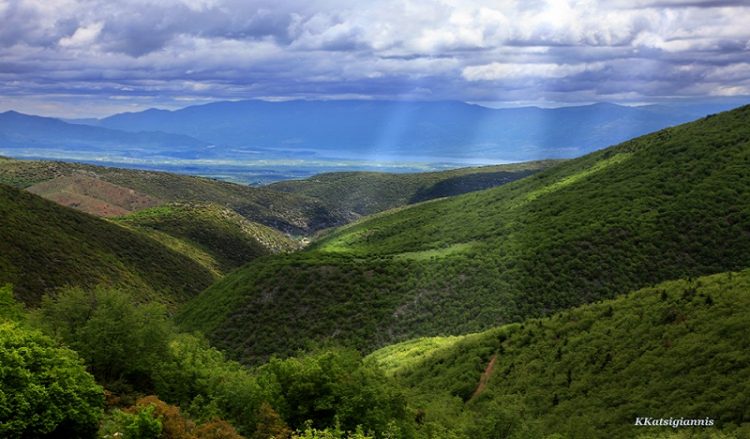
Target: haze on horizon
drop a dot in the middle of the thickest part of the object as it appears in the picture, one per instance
(83, 58)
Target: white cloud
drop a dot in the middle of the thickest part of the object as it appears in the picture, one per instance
(83, 36)
(500, 71)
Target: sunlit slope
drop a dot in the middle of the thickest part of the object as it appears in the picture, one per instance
(216, 236)
(679, 349)
(44, 246)
(669, 205)
(292, 213)
(365, 193)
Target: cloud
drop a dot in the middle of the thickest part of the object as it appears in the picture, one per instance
(83, 36)
(161, 53)
(500, 71)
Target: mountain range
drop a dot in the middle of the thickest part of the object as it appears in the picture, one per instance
(372, 131)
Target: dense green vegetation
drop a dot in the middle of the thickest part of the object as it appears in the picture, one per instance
(44, 247)
(44, 388)
(365, 193)
(134, 350)
(218, 237)
(669, 205)
(678, 349)
(291, 213)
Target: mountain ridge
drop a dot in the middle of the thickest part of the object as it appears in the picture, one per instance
(413, 129)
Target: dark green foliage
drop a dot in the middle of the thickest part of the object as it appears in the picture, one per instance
(123, 344)
(44, 247)
(365, 193)
(668, 205)
(611, 368)
(44, 389)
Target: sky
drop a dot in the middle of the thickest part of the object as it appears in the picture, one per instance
(90, 58)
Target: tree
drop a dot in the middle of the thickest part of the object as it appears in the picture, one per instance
(335, 386)
(44, 389)
(120, 341)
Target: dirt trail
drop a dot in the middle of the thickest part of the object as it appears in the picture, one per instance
(485, 377)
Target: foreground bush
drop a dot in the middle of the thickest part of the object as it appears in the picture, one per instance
(44, 389)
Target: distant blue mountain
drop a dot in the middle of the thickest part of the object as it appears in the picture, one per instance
(22, 131)
(410, 130)
(249, 131)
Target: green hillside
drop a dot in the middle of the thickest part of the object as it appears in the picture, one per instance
(291, 213)
(216, 236)
(44, 246)
(679, 349)
(365, 193)
(669, 205)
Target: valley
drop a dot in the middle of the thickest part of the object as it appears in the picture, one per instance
(544, 299)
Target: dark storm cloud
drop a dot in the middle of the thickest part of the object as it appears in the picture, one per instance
(137, 52)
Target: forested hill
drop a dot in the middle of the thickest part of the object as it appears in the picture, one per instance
(44, 247)
(365, 193)
(289, 213)
(676, 350)
(215, 236)
(672, 204)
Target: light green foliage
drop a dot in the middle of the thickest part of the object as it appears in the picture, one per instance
(122, 343)
(44, 389)
(9, 308)
(330, 433)
(326, 387)
(201, 380)
(575, 177)
(334, 387)
(406, 354)
(142, 424)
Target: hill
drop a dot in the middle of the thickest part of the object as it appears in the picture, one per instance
(92, 195)
(408, 130)
(365, 193)
(217, 237)
(290, 213)
(669, 205)
(44, 246)
(675, 350)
